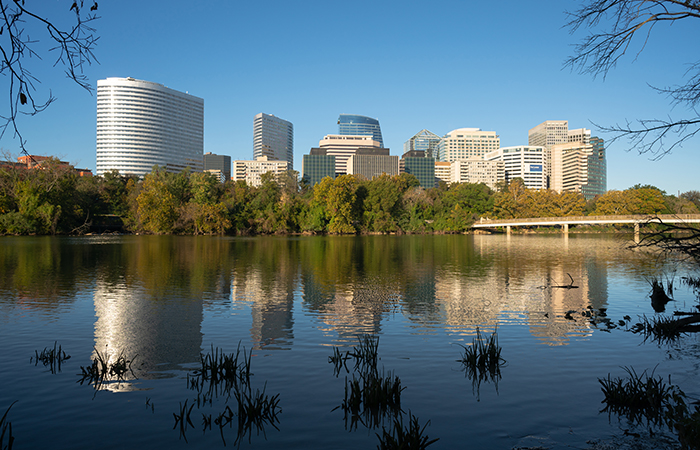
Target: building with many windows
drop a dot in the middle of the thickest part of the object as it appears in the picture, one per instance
(443, 172)
(251, 171)
(526, 162)
(218, 164)
(141, 124)
(579, 167)
(477, 170)
(465, 143)
(274, 138)
(373, 162)
(423, 141)
(353, 124)
(316, 166)
(344, 146)
(417, 164)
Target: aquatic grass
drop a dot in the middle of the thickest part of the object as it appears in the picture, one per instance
(482, 359)
(371, 397)
(184, 419)
(660, 329)
(339, 361)
(222, 374)
(256, 409)
(643, 398)
(409, 437)
(51, 357)
(366, 353)
(102, 370)
(6, 429)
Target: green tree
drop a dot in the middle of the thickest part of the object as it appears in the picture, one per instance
(157, 206)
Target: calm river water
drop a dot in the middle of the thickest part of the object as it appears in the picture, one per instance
(161, 301)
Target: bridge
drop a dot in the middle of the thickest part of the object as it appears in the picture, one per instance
(564, 222)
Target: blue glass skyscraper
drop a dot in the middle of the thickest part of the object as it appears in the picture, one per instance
(352, 124)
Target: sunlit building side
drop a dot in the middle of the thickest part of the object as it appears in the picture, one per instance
(141, 124)
(528, 163)
(465, 143)
(274, 138)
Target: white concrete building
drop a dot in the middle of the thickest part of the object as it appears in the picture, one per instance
(443, 171)
(478, 170)
(344, 146)
(465, 143)
(251, 171)
(524, 161)
(141, 124)
(274, 138)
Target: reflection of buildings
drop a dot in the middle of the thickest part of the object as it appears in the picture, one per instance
(271, 300)
(159, 334)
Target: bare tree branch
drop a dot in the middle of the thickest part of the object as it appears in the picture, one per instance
(615, 25)
(74, 46)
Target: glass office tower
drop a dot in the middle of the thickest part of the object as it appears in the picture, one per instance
(352, 124)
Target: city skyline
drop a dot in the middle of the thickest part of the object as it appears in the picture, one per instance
(292, 74)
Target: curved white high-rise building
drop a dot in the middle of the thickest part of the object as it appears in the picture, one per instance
(141, 124)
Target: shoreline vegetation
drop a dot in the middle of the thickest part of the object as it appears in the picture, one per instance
(53, 200)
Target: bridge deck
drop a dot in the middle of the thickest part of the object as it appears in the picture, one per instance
(580, 220)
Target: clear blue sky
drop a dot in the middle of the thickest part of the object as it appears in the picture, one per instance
(439, 65)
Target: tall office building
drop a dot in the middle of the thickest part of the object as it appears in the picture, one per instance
(464, 143)
(316, 166)
(218, 163)
(344, 146)
(369, 163)
(423, 141)
(579, 167)
(548, 133)
(274, 138)
(575, 160)
(352, 124)
(417, 164)
(141, 124)
(526, 162)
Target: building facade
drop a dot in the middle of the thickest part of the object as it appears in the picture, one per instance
(344, 146)
(316, 166)
(274, 138)
(579, 167)
(373, 162)
(526, 162)
(220, 163)
(423, 141)
(251, 171)
(417, 164)
(466, 143)
(443, 172)
(141, 124)
(478, 170)
(353, 124)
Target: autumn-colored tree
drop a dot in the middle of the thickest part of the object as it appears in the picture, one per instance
(642, 200)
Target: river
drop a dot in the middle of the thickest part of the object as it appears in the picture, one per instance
(290, 302)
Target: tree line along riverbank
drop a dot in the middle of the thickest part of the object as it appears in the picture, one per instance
(55, 200)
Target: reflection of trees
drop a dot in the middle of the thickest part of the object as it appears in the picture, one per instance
(40, 272)
(151, 290)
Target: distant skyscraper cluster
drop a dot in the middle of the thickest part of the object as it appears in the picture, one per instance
(141, 124)
(555, 158)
